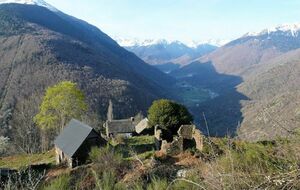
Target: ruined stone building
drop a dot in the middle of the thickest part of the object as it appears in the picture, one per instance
(188, 136)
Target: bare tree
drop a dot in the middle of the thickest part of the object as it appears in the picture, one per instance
(4, 142)
(25, 134)
(25, 180)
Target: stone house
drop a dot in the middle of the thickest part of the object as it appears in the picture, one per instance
(120, 127)
(74, 143)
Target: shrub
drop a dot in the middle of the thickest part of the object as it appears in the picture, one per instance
(61, 183)
(106, 159)
(108, 181)
(157, 184)
(169, 115)
(162, 171)
(120, 139)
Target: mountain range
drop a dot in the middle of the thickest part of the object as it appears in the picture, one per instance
(248, 87)
(262, 71)
(167, 55)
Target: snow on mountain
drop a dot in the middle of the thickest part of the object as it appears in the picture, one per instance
(214, 42)
(137, 42)
(191, 44)
(289, 29)
(31, 2)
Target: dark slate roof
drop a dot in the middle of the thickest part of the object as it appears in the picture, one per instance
(72, 137)
(120, 126)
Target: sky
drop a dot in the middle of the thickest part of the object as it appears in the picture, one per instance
(183, 20)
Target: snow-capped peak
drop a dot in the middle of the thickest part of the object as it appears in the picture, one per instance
(289, 29)
(218, 43)
(31, 2)
(148, 42)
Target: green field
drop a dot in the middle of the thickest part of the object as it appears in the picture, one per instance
(191, 96)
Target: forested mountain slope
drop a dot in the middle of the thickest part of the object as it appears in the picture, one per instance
(40, 47)
(274, 92)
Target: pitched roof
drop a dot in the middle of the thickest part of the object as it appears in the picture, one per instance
(120, 126)
(72, 137)
(142, 125)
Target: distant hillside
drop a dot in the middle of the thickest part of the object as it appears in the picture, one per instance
(237, 56)
(274, 90)
(40, 47)
(165, 53)
(256, 78)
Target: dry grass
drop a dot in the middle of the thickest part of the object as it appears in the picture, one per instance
(249, 166)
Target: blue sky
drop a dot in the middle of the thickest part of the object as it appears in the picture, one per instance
(183, 20)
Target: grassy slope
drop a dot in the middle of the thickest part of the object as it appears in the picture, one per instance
(25, 160)
(143, 147)
(223, 164)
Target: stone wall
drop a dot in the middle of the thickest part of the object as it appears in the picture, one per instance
(185, 132)
(197, 136)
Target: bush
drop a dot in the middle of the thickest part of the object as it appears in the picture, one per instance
(61, 183)
(244, 165)
(120, 139)
(157, 184)
(108, 181)
(106, 160)
(162, 171)
(169, 115)
(260, 157)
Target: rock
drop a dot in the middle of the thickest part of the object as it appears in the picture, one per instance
(182, 173)
(173, 148)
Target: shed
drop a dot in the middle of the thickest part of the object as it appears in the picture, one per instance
(75, 142)
(123, 126)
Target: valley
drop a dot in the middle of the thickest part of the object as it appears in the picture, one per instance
(253, 81)
(230, 84)
(193, 96)
(141, 99)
